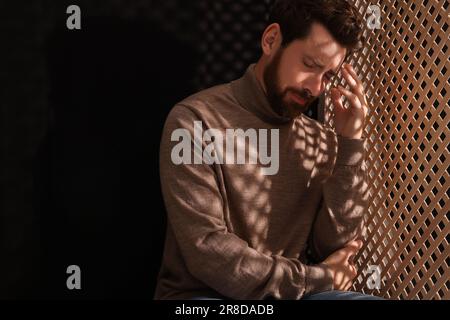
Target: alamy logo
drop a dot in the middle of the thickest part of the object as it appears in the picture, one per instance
(374, 279)
(74, 280)
(74, 20)
(374, 12)
(228, 148)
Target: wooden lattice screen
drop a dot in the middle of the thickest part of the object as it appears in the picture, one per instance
(405, 69)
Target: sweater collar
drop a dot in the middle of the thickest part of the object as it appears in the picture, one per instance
(250, 94)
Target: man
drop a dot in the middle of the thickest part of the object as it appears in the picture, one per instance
(240, 229)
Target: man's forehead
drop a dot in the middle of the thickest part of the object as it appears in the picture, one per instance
(327, 50)
(321, 45)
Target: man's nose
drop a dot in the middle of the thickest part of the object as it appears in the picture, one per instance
(314, 85)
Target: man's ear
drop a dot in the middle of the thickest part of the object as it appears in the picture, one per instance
(271, 39)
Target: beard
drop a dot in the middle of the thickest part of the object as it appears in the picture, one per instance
(290, 102)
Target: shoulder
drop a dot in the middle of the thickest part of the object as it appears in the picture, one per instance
(207, 99)
(203, 105)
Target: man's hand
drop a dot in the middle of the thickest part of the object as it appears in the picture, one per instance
(349, 122)
(340, 263)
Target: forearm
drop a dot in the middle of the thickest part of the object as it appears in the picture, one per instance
(345, 200)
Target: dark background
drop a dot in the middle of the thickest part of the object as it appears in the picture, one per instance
(82, 114)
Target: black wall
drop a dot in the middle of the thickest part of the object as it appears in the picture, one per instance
(82, 114)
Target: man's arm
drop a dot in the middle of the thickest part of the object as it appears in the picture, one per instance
(345, 193)
(212, 254)
(344, 201)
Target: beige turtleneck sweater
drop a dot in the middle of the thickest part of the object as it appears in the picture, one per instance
(241, 231)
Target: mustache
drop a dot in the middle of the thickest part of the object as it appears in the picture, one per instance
(303, 93)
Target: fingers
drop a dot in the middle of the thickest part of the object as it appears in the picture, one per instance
(347, 271)
(353, 98)
(352, 248)
(348, 285)
(353, 272)
(336, 99)
(357, 243)
(344, 278)
(355, 95)
(355, 83)
(352, 78)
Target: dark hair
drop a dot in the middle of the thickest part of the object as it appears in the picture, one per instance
(340, 18)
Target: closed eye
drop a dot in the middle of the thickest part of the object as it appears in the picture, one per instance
(308, 65)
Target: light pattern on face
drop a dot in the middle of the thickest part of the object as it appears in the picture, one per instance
(298, 73)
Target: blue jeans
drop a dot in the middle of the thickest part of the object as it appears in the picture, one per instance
(340, 295)
(326, 295)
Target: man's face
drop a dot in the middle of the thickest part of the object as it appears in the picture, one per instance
(298, 73)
